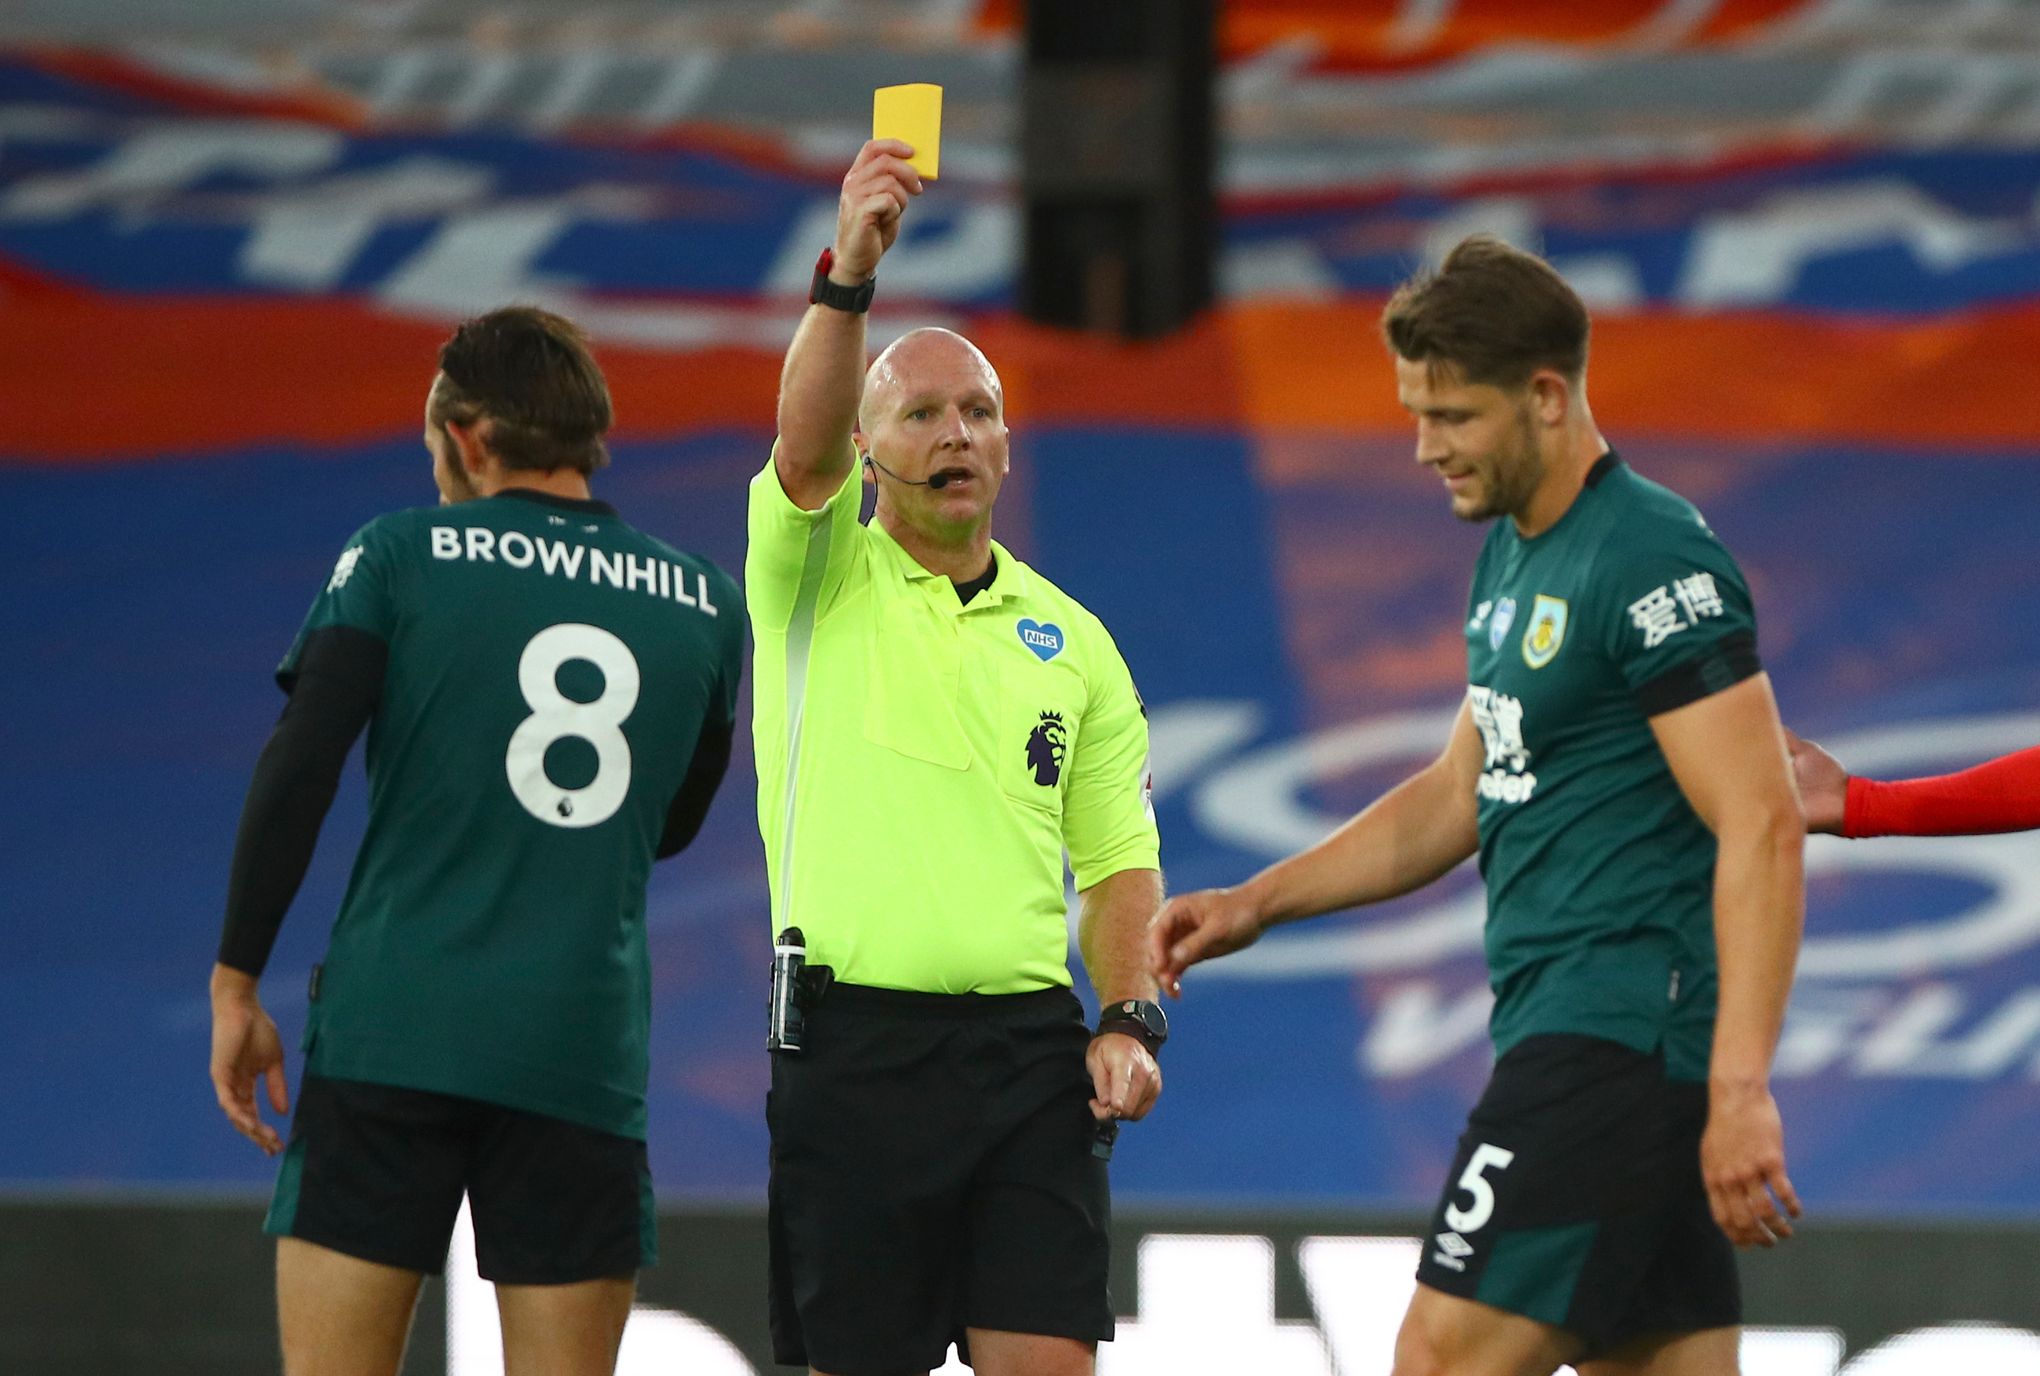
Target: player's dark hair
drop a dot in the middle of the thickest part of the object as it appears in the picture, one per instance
(1494, 312)
(531, 375)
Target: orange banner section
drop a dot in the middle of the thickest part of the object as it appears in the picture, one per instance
(94, 379)
(1949, 381)
(1388, 34)
(123, 378)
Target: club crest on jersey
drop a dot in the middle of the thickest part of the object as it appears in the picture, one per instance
(1045, 638)
(1498, 627)
(1546, 632)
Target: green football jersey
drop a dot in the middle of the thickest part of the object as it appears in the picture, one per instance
(550, 672)
(1600, 876)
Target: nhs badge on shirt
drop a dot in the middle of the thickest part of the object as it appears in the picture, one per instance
(1045, 638)
(1546, 632)
(1498, 627)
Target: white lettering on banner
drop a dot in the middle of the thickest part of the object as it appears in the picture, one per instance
(308, 237)
(1868, 1033)
(1207, 1308)
(167, 159)
(1417, 1029)
(1359, 1287)
(1746, 258)
(1207, 1304)
(957, 256)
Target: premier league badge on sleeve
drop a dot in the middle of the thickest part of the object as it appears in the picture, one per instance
(1498, 628)
(1546, 631)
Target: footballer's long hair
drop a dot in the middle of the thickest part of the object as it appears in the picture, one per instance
(1495, 313)
(530, 375)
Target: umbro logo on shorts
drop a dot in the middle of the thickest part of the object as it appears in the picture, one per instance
(1453, 1250)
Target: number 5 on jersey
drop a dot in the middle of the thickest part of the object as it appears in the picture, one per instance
(1473, 1180)
(555, 716)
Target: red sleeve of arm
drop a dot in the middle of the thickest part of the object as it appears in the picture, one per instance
(2000, 795)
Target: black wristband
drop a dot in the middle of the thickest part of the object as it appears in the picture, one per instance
(824, 292)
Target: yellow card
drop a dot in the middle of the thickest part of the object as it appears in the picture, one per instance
(913, 115)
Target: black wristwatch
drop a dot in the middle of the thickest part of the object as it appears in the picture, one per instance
(823, 292)
(1141, 1019)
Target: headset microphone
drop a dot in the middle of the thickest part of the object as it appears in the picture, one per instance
(934, 483)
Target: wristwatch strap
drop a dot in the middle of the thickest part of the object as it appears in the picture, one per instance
(824, 292)
(1144, 1022)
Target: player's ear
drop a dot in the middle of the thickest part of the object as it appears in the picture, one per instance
(1551, 396)
(467, 442)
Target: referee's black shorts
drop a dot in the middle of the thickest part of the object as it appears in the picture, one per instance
(932, 1171)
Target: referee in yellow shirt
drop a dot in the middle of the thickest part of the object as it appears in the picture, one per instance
(936, 724)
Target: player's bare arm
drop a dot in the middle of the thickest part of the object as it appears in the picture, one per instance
(1728, 754)
(1112, 935)
(245, 1049)
(823, 378)
(1411, 835)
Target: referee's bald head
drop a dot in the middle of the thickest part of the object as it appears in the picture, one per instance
(919, 357)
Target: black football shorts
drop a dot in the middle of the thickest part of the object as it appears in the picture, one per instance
(377, 1172)
(1576, 1199)
(932, 1171)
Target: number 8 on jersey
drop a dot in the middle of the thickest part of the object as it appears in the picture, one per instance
(555, 716)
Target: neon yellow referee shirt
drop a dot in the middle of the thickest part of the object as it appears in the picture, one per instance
(923, 765)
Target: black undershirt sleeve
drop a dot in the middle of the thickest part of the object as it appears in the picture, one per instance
(1723, 666)
(333, 692)
(689, 808)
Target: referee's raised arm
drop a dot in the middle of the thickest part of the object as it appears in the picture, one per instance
(823, 379)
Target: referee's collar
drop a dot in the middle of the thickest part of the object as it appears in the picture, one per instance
(1008, 580)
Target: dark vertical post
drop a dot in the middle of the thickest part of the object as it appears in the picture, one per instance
(1116, 178)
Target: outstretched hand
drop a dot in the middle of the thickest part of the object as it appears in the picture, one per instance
(876, 190)
(1198, 926)
(1823, 784)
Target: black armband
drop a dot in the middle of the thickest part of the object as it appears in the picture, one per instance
(1728, 662)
